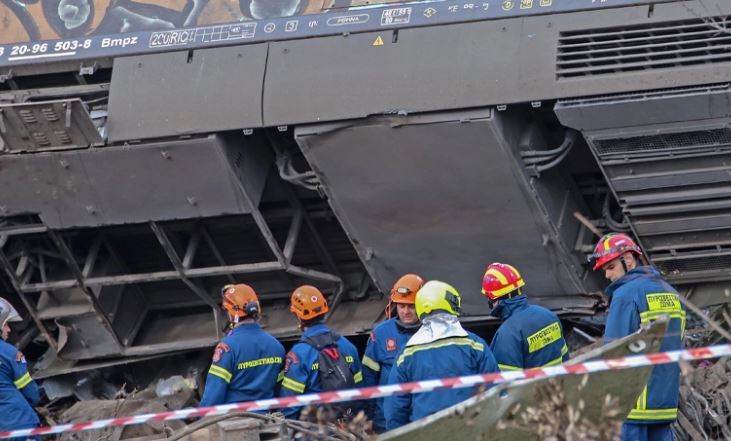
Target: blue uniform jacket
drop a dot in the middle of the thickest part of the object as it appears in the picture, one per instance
(386, 341)
(301, 374)
(246, 366)
(530, 336)
(444, 358)
(639, 297)
(18, 392)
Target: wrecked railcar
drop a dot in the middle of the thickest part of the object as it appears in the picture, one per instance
(151, 154)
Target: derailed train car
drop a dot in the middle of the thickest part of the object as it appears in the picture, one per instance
(154, 151)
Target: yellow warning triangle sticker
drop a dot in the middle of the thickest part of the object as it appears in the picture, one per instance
(378, 41)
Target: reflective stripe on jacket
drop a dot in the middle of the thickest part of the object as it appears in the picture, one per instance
(301, 374)
(385, 342)
(444, 358)
(530, 336)
(18, 391)
(640, 297)
(246, 366)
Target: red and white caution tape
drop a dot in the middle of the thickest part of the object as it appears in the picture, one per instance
(633, 361)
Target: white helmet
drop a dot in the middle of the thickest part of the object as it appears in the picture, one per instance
(8, 313)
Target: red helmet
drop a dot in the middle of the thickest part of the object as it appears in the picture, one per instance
(500, 279)
(611, 246)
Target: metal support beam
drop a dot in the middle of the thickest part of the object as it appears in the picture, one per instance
(293, 234)
(22, 264)
(192, 247)
(320, 247)
(313, 274)
(119, 262)
(129, 339)
(92, 256)
(258, 218)
(16, 230)
(159, 276)
(68, 257)
(216, 252)
(164, 240)
(8, 268)
(267, 234)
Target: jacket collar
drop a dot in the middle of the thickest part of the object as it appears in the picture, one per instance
(404, 328)
(509, 307)
(244, 327)
(634, 274)
(317, 329)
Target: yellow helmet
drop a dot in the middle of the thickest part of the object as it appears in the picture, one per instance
(437, 296)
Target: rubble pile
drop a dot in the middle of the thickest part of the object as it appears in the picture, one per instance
(556, 418)
(177, 393)
(136, 403)
(705, 391)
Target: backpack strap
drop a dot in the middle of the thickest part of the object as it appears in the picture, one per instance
(321, 341)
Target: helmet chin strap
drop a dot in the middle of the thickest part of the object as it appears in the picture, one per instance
(624, 263)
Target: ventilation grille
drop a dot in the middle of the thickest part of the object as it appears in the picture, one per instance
(644, 47)
(701, 139)
(676, 268)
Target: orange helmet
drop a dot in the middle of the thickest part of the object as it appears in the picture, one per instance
(308, 302)
(611, 246)
(240, 301)
(404, 291)
(405, 288)
(500, 279)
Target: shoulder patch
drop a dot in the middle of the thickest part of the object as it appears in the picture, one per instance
(219, 351)
(291, 359)
(391, 345)
(372, 337)
(20, 358)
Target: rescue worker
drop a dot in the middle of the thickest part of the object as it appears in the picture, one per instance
(247, 362)
(388, 338)
(639, 295)
(530, 335)
(18, 391)
(301, 366)
(441, 348)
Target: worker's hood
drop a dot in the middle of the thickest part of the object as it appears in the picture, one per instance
(436, 327)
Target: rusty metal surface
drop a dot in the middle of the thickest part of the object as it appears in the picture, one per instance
(477, 418)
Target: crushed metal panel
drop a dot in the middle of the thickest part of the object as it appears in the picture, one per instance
(186, 92)
(46, 125)
(119, 185)
(477, 417)
(83, 336)
(436, 195)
